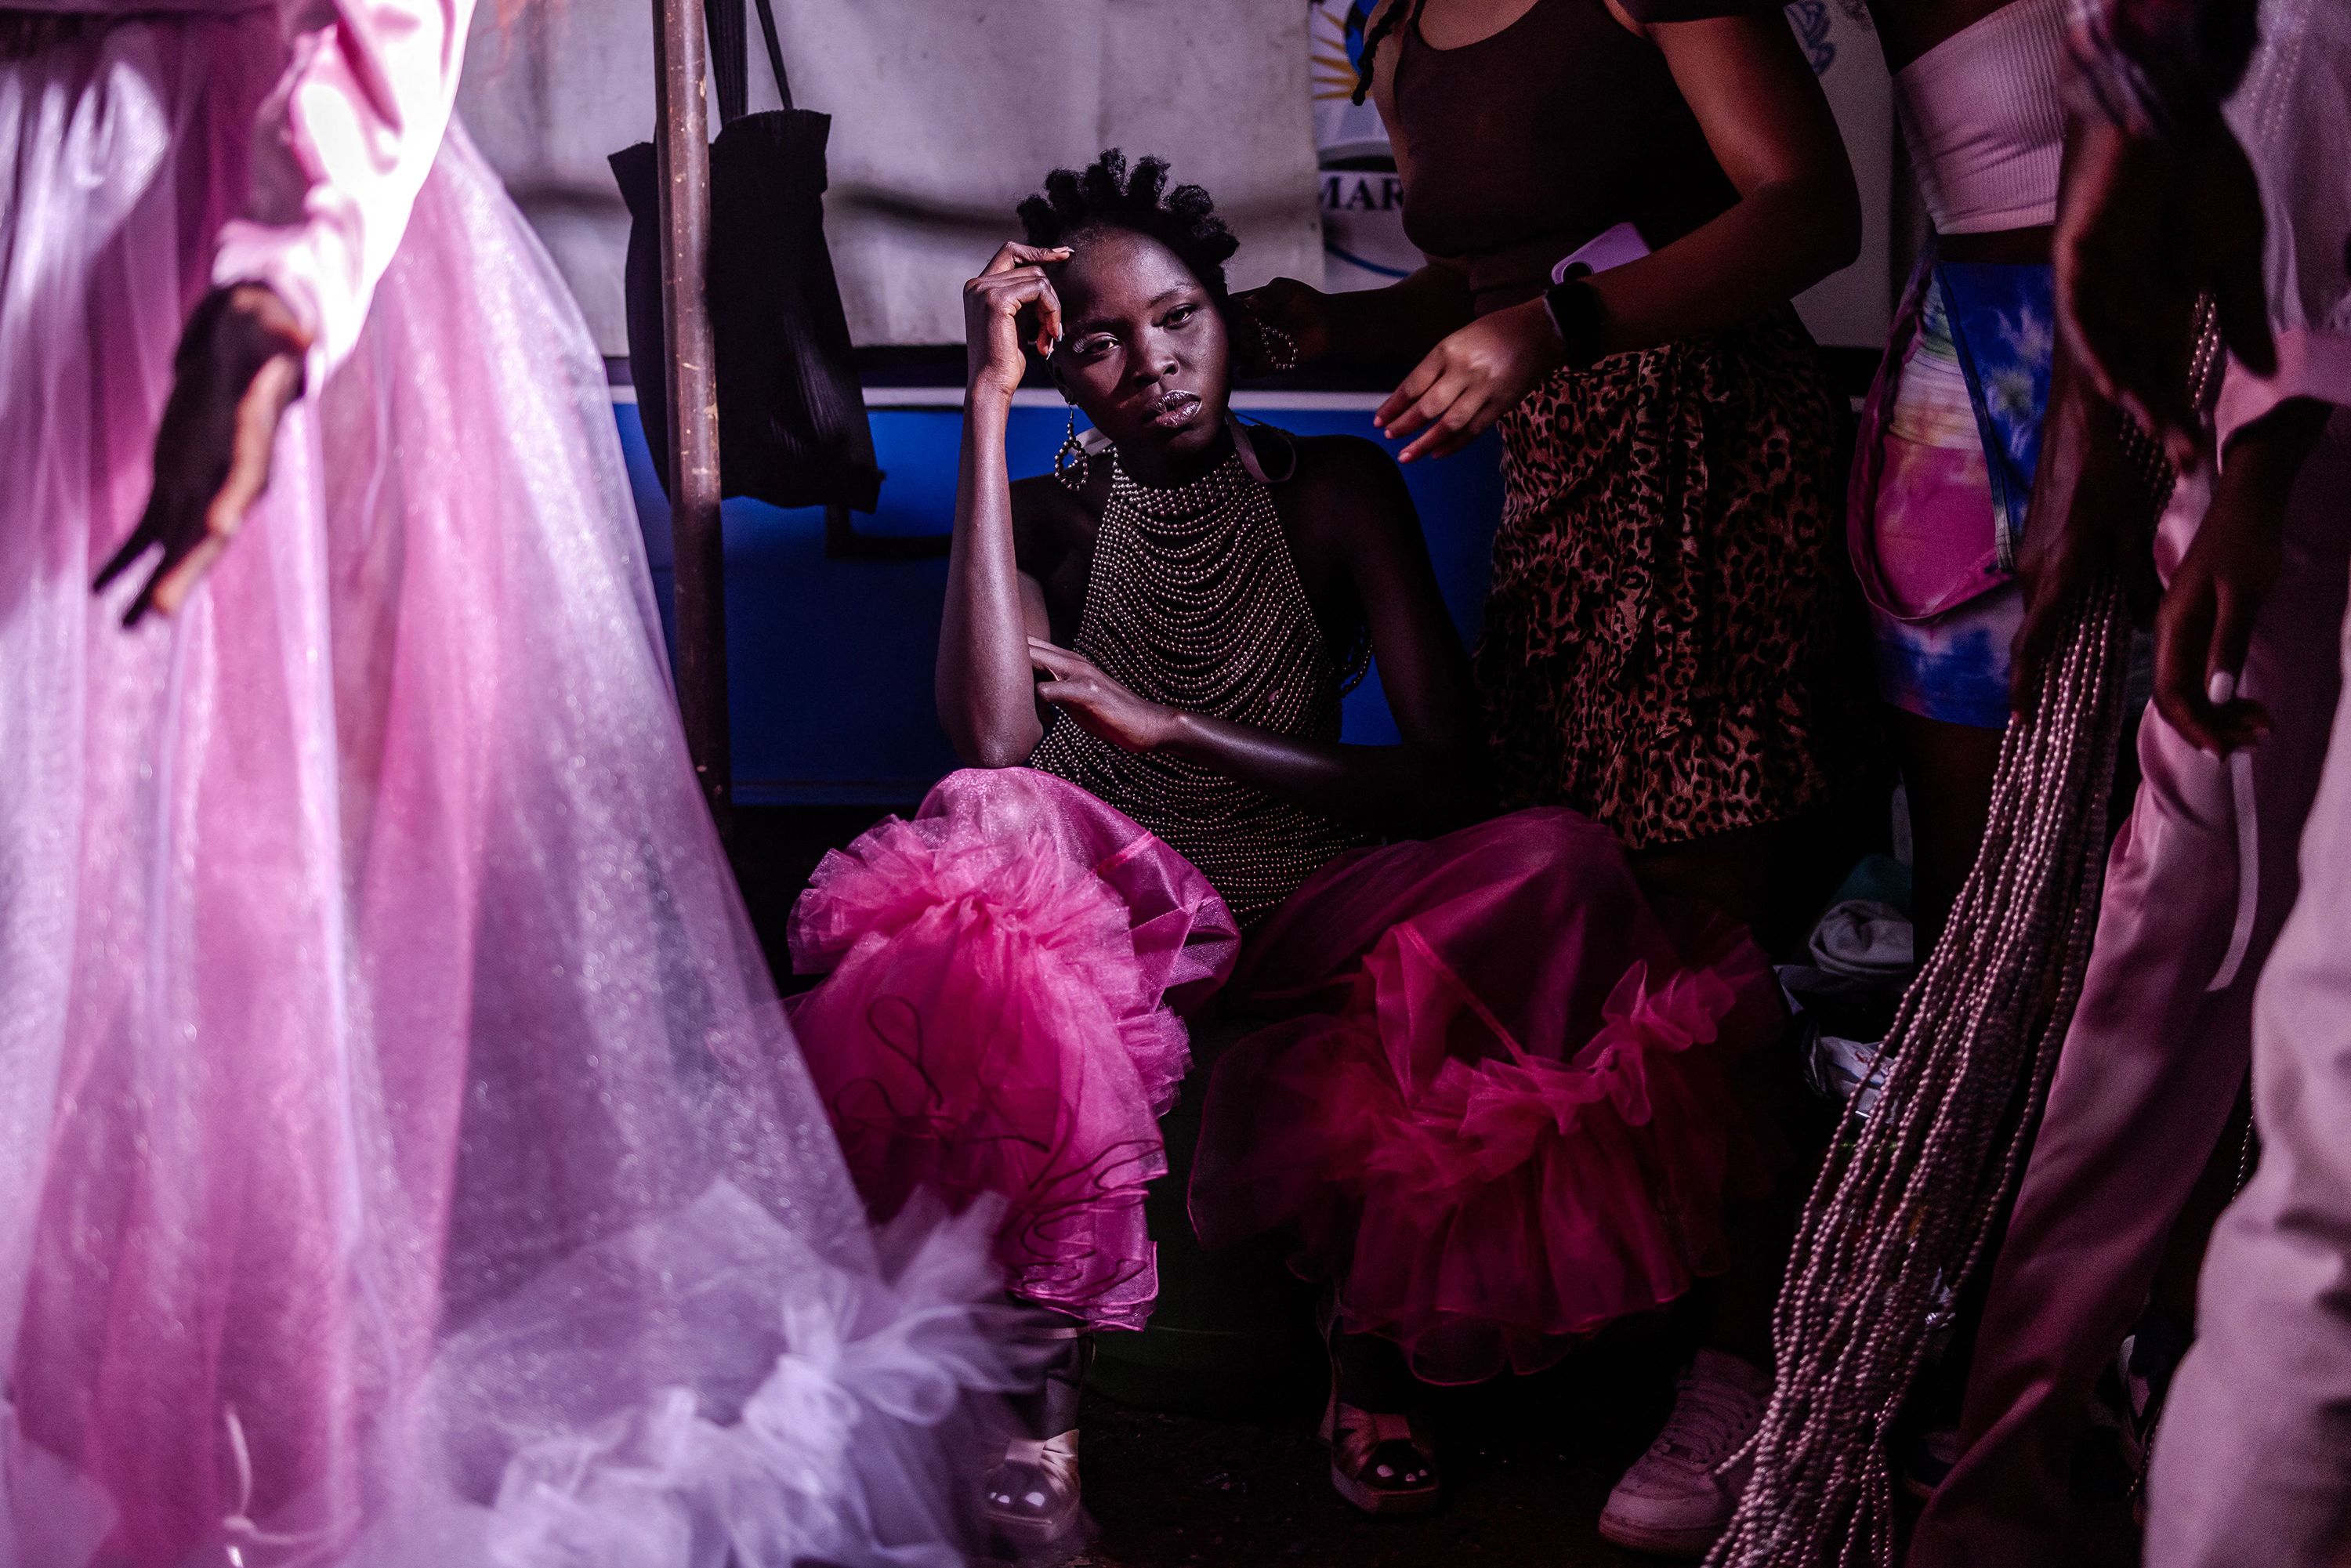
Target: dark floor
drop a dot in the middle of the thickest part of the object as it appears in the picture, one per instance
(1527, 1465)
(1526, 1483)
(1242, 1480)
(1173, 1493)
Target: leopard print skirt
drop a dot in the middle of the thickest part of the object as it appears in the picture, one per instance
(1661, 587)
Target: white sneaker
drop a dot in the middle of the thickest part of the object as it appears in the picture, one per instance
(1671, 1502)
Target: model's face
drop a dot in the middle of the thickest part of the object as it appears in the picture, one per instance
(1143, 347)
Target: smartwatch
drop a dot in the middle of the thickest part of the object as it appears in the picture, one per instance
(1577, 314)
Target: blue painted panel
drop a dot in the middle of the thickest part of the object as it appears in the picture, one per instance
(828, 662)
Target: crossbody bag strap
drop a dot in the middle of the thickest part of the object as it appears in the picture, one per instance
(775, 51)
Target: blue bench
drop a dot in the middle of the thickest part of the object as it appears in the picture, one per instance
(829, 659)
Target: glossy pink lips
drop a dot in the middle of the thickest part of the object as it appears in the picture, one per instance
(1172, 410)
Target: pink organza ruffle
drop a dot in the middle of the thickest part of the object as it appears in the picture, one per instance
(1000, 1017)
(1487, 1163)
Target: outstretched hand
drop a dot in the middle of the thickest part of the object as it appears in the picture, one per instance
(1100, 704)
(239, 365)
(1470, 380)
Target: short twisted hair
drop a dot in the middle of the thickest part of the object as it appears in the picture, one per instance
(1106, 194)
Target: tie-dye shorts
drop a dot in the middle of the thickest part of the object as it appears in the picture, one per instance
(1934, 505)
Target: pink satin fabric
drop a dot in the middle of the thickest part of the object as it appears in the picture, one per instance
(342, 147)
(999, 1016)
(2156, 1050)
(1500, 1118)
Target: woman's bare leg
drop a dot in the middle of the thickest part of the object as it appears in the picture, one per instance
(1947, 772)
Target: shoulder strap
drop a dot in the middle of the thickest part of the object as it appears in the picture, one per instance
(729, 73)
(1244, 444)
(775, 51)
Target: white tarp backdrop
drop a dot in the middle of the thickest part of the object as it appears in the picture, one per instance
(944, 115)
(946, 112)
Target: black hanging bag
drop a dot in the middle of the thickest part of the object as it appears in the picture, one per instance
(792, 430)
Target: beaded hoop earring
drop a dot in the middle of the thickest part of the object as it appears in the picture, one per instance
(1277, 349)
(1072, 458)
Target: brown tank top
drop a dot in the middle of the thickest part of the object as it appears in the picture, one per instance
(1521, 147)
(1193, 601)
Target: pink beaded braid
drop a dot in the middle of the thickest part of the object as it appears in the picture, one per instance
(1905, 1203)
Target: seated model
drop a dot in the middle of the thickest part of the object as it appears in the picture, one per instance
(1492, 1115)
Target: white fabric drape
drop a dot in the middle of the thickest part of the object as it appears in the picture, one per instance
(943, 116)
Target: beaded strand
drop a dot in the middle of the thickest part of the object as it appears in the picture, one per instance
(1906, 1204)
(1193, 602)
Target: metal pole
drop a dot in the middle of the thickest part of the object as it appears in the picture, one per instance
(681, 152)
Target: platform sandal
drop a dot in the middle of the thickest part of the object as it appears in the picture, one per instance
(1029, 1497)
(1380, 1461)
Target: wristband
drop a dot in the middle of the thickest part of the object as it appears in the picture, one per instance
(1578, 316)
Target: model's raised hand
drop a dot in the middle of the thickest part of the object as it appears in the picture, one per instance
(1013, 283)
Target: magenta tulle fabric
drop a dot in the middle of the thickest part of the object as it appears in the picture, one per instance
(389, 1077)
(1501, 1119)
(1001, 1016)
(1497, 1110)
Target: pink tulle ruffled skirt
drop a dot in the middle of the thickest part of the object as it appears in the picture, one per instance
(1001, 1016)
(1494, 1108)
(1498, 1117)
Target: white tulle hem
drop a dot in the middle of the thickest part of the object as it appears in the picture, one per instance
(782, 1409)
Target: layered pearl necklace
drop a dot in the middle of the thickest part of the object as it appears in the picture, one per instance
(1193, 602)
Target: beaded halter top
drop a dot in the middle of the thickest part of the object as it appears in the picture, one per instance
(1193, 601)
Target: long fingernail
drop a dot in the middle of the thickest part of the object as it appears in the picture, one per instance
(2222, 689)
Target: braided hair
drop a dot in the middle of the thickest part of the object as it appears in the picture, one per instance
(1106, 194)
(1367, 64)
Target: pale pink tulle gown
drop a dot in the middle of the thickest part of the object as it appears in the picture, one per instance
(404, 1157)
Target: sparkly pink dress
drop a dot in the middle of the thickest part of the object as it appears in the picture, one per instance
(404, 1157)
(1494, 1108)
